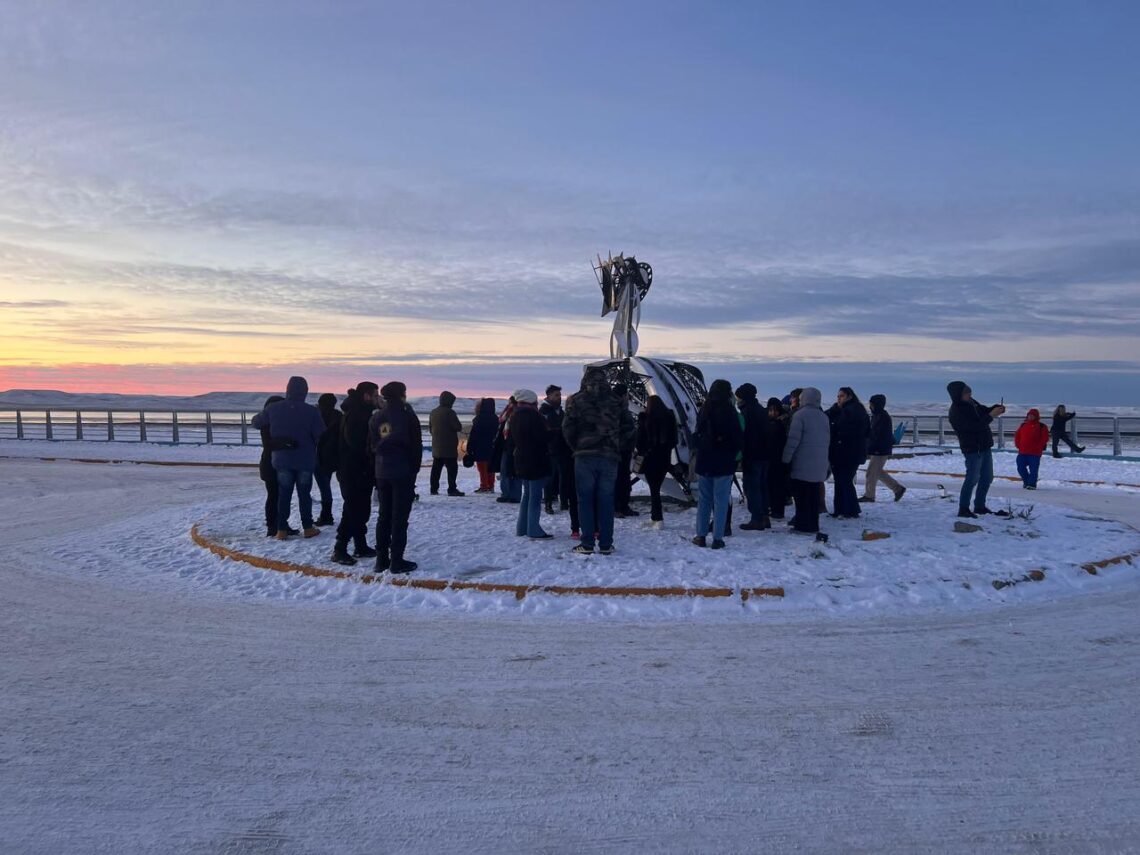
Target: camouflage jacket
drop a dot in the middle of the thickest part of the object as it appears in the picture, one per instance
(596, 423)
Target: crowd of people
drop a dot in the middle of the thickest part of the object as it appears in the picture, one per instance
(580, 457)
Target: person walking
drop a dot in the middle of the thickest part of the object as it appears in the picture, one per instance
(327, 456)
(806, 454)
(595, 427)
(1031, 440)
(1061, 420)
(445, 432)
(355, 472)
(720, 438)
(481, 442)
(849, 427)
(532, 462)
(880, 446)
(971, 423)
(295, 427)
(754, 457)
(268, 474)
(777, 470)
(656, 440)
(396, 440)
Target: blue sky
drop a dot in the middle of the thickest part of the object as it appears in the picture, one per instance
(203, 185)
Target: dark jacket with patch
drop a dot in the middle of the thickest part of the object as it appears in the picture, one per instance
(532, 443)
(596, 423)
(354, 456)
(396, 440)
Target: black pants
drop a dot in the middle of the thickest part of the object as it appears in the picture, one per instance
(654, 471)
(551, 490)
(623, 486)
(777, 488)
(806, 494)
(437, 465)
(1064, 437)
(568, 488)
(271, 503)
(356, 508)
(846, 499)
(392, 521)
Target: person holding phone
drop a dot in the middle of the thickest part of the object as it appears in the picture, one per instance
(971, 423)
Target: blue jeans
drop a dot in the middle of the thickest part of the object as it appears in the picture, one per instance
(980, 474)
(509, 487)
(755, 477)
(324, 487)
(1027, 466)
(595, 477)
(287, 479)
(530, 509)
(714, 492)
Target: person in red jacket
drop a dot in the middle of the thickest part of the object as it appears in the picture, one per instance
(1031, 439)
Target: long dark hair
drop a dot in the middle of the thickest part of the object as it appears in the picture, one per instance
(659, 420)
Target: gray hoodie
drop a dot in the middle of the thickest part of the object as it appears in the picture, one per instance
(809, 437)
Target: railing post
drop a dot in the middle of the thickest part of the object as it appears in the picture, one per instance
(1117, 445)
(47, 424)
(142, 426)
(1001, 431)
(941, 431)
(209, 429)
(79, 424)
(914, 427)
(244, 431)
(19, 425)
(110, 427)
(174, 427)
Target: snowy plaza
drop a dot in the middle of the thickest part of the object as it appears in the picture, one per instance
(159, 698)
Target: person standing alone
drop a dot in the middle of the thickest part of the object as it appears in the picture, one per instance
(1031, 439)
(971, 423)
(445, 430)
(1061, 420)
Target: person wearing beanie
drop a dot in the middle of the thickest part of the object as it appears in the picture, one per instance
(445, 430)
(596, 427)
(971, 423)
(1031, 440)
(327, 455)
(354, 473)
(397, 445)
(754, 457)
(777, 471)
(880, 446)
(532, 462)
(719, 439)
(294, 428)
(805, 454)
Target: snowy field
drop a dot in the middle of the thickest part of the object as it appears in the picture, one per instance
(159, 699)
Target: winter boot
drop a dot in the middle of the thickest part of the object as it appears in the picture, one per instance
(382, 562)
(340, 555)
(899, 494)
(324, 519)
(752, 525)
(363, 550)
(399, 565)
(311, 532)
(718, 544)
(766, 521)
(282, 535)
(701, 541)
(456, 492)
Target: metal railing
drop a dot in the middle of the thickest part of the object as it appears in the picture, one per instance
(1114, 435)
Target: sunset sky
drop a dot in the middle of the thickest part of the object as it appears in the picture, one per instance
(198, 196)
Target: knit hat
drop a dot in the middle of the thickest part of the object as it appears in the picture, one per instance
(526, 396)
(775, 404)
(746, 392)
(393, 391)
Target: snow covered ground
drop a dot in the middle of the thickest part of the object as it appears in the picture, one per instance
(156, 698)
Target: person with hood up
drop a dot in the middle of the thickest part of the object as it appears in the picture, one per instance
(295, 427)
(396, 439)
(850, 426)
(880, 446)
(656, 440)
(445, 432)
(1061, 420)
(481, 441)
(327, 455)
(267, 473)
(806, 454)
(596, 427)
(971, 423)
(754, 458)
(777, 470)
(355, 474)
(719, 440)
(1031, 439)
(532, 462)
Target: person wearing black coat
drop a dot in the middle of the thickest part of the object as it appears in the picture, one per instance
(850, 427)
(268, 474)
(777, 470)
(354, 473)
(481, 443)
(530, 433)
(656, 439)
(623, 483)
(971, 423)
(880, 446)
(397, 443)
(720, 438)
(754, 457)
(1060, 431)
(560, 456)
(327, 456)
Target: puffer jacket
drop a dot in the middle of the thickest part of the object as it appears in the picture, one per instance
(396, 440)
(809, 438)
(445, 428)
(532, 443)
(596, 423)
(1032, 437)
